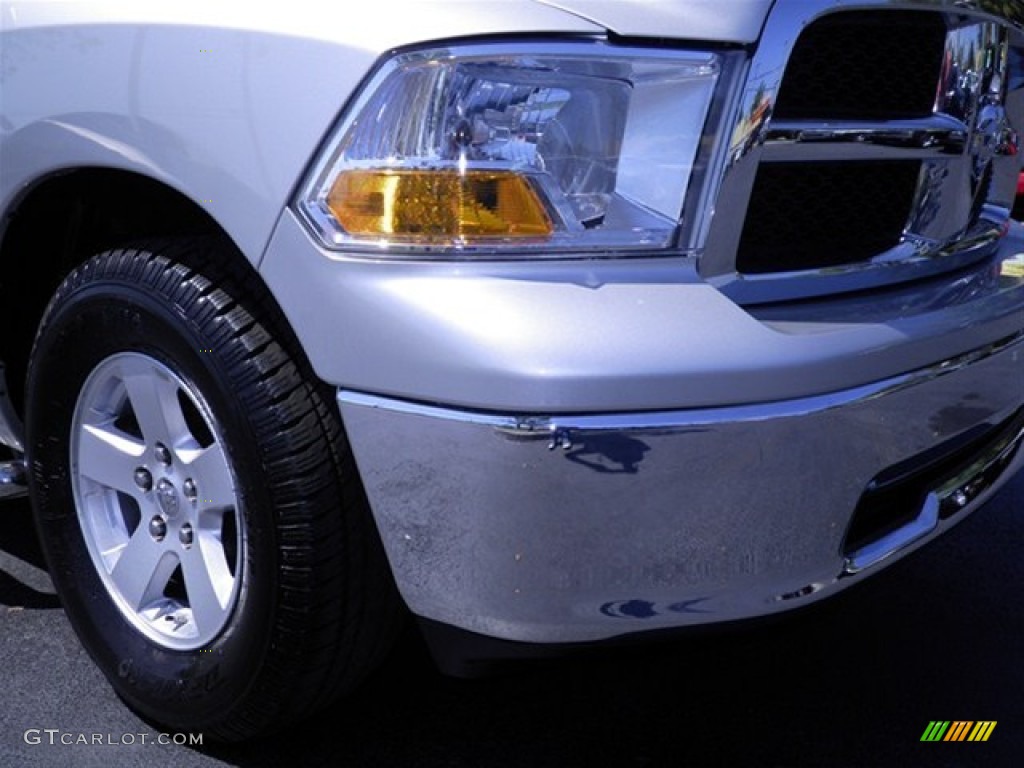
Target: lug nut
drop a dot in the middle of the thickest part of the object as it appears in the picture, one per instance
(189, 487)
(185, 535)
(143, 479)
(157, 528)
(163, 455)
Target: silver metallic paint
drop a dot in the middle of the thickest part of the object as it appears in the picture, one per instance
(721, 21)
(225, 102)
(611, 335)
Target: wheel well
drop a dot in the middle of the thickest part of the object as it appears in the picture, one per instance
(61, 222)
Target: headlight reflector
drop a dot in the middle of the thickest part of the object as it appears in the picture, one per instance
(522, 151)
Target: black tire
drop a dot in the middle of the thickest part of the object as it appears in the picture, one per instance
(308, 602)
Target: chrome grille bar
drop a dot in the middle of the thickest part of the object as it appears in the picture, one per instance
(966, 148)
(937, 137)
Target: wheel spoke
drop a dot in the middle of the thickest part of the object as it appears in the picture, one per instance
(143, 569)
(172, 559)
(208, 584)
(214, 482)
(154, 400)
(109, 457)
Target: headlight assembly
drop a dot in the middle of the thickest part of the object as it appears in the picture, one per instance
(514, 152)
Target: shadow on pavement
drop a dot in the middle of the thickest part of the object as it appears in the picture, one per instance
(21, 561)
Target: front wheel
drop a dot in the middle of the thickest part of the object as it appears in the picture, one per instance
(195, 498)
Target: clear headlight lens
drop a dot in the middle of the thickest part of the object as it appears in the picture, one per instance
(496, 150)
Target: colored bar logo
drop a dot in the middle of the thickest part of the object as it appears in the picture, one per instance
(958, 730)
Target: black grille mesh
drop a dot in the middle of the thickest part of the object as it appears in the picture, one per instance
(864, 65)
(824, 214)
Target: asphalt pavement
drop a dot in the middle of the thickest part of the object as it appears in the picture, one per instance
(854, 681)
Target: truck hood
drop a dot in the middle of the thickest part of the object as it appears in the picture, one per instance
(735, 21)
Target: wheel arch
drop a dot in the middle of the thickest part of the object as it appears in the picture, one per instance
(66, 217)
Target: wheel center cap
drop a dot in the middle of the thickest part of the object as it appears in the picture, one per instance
(167, 498)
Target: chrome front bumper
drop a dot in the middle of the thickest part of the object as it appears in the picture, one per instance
(552, 529)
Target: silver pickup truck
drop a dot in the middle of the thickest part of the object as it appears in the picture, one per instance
(549, 323)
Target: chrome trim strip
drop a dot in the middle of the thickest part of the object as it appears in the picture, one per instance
(902, 537)
(912, 259)
(558, 429)
(966, 486)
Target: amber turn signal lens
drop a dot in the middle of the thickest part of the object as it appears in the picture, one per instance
(437, 204)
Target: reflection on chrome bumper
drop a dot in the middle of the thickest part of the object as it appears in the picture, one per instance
(578, 528)
(943, 490)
